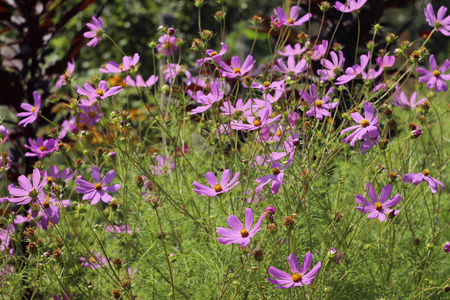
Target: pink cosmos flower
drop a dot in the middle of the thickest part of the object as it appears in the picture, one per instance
(289, 51)
(349, 6)
(91, 115)
(46, 216)
(101, 92)
(229, 110)
(439, 22)
(128, 63)
(369, 125)
(291, 68)
(96, 32)
(447, 247)
(386, 62)
(260, 121)
(66, 77)
(99, 189)
(378, 208)
(318, 106)
(140, 82)
(216, 188)
(3, 134)
(41, 147)
(333, 68)
(167, 44)
(276, 177)
(435, 79)
(293, 15)
(26, 192)
(401, 100)
(213, 55)
(68, 126)
(59, 176)
(238, 234)
(31, 112)
(319, 50)
(416, 178)
(356, 71)
(236, 69)
(94, 261)
(208, 100)
(299, 277)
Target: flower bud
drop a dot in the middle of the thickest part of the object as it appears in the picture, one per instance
(206, 34)
(324, 6)
(220, 15)
(390, 38)
(258, 255)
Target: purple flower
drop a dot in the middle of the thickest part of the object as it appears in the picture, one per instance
(386, 62)
(333, 255)
(435, 79)
(291, 68)
(3, 134)
(163, 166)
(416, 178)
(5, 272)
(66, 77)
(401, 100)
(5, 238)
(68, 126)
(213, 55)
(355, 71)
(416, 132)
(236, 69)
(260, 121)
(97, 190)
(349, 6)
(140, 82)
(439, 22)
(378, 208)
(293, 15)
(216, 188)
(369, 125)
(94, 261)
(26, 192)
(238, 234)
(320, 50)
(119, 229)
(8, 163)
(167, 44)
(58, 176)
(128, 63)
(31, 112)
(276, 177)
(447, 247)
(229, 110)
(91, 115)
(41, 147)
(101, 92)
(318, 106)
(333, 68)
(254, 197)
(289, 51)
(299, 277)
(208, 100)
(48, 213)
(96, 32)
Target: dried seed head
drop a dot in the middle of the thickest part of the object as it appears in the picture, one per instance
(32, 247)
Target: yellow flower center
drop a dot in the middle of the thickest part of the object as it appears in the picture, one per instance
(436, 73)
(98, 186)
(46, 204)
(319, 103)
(93, 260)
(278, 133)
(91, 114)
(121, 67)
(237, 70)
(276, 171)
(266, 84)
(364, 123)
(426, 172)
(378, 206)
(42, 148)
(33, 109)
(244, 233)
(214, 53)
(218, 188)
(28, 216)
(291, 21)
(296, 277)
(257, 122)
(99, 92)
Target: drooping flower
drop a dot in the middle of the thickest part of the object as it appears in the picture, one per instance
(238, 234)
(216, 188)
(66, 77)
(440, 22)
(167, 44)
(213, 55)
(101, 92)
(401, 100)
(318, 106)
(27, 192)
(236, 69)
(94, 261)
(416, 178)
(378, 208)
(349, 6)
(31, 112)
(293, 15)
(140, 81)
(447, 247)
(386, 62)
(128, 63)
(369, 125)
(435, 78)
(68, 126)
(333, 67)
(319, 50)
(96, 32)
(99, 189)
(41, 147)
(3, 134)
(298, 276)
